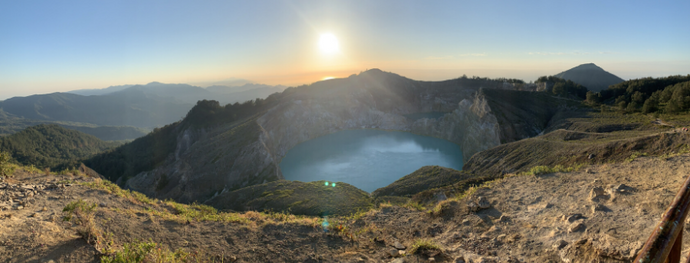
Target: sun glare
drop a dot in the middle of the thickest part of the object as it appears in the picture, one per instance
(328, 44)
(327, 78)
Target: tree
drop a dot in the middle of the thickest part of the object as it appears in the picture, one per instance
(622, 105)
(638, 97)
(558, 88)
(592, 98)
(650, 105)
(5, 168)
(672, 107)
(632, 107)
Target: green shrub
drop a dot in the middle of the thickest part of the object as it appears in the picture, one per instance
(6, 169)
(424, 246)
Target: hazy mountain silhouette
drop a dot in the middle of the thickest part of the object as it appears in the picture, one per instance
(591, 76)
(144, 106)
(245, 87)
(130, 107)
(185, 93)
(89, 92)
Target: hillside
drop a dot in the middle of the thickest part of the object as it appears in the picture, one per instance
(124, 108)
(298, 198)
(52, 146)
(591, 76)
(142, 106)
(221, 149)
(515, 219)
(10, 124)
(500, 208)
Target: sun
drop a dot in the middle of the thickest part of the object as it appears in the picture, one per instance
(328, 44)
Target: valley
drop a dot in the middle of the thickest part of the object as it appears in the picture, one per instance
(382, 131)
(222, 171)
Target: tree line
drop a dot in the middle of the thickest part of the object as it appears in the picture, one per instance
(563, 87)
(648, 95)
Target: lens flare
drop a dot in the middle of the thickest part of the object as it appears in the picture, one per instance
(325, 224)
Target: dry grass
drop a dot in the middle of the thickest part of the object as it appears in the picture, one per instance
(82, 213)
(182, 213)
(423, 246)
(152, 252)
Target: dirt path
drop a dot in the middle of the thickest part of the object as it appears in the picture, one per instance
(662, 123)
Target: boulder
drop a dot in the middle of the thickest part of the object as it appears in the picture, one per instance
(483, 203)
(597, 193)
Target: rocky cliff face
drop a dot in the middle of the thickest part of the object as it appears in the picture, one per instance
(471, 125)
(207, 162)
(297, 121)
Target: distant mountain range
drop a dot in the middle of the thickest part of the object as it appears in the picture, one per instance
(591, 76)
(142, 106)
(186, 93)
(130, 107)
(91, 92)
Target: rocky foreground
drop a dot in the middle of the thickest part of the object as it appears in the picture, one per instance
(599, 213)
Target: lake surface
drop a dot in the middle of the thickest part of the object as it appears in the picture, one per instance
(367, 159)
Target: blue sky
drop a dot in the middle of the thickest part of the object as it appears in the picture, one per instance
(49, 46)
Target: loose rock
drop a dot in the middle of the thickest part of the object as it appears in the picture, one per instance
(560, 244)
(472, 206)
(572, 217)
(598, 207)
(577, 226)
(399, 245)
(483, 203)
(597, 193)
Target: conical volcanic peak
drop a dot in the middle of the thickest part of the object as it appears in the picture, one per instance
(591, 76)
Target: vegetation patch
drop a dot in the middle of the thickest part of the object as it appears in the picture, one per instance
(152, 252)
(313, 198)
(427, 177)
(83, 214)
(49, 145)
(6, 169)
(541, 169)
(425, 246)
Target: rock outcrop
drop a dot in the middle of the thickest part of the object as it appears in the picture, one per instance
(472, 126)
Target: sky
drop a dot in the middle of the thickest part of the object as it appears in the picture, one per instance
(57, 46)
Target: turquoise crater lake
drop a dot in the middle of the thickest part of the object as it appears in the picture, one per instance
(367, 159)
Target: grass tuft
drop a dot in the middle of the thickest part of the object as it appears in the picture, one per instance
(424, 246)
